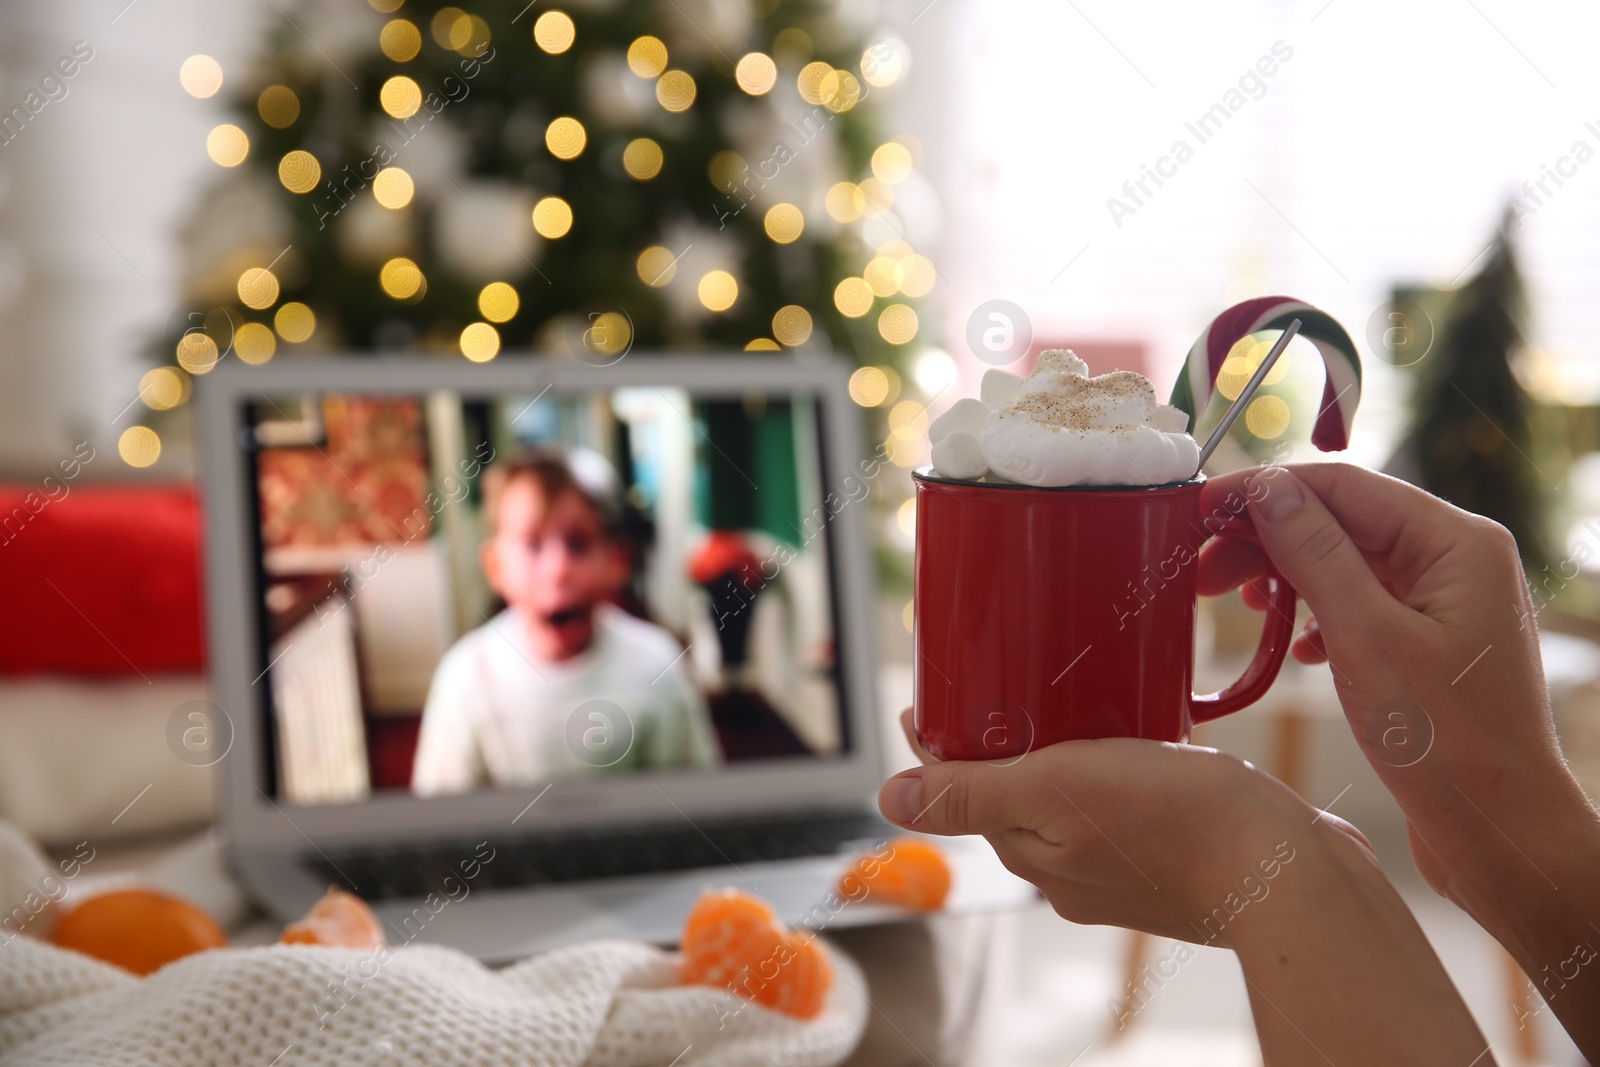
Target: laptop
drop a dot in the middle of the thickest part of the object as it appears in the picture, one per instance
(518, 710)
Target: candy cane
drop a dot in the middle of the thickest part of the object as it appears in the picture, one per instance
(1340, 396)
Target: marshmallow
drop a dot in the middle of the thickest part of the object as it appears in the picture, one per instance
(999, 387)
(959, 455)
(1169, 419)
(965, 414)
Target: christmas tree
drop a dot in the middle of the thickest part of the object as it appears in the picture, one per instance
(1471, 437)
(584, 181)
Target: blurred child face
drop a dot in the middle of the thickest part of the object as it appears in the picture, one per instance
(550, 559)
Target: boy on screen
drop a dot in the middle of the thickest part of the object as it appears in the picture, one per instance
(562, 682)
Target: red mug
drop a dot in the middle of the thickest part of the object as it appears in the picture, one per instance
(1057, 614)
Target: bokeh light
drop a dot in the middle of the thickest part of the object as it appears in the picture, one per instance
(792, 47)
(935, 371)
(763, 344)
(227, 145)
(784, 223)
(393, 188)
(869, 387)
(916, 275)
(718, 290)
(725, 170)
(200, 76)
(400, 40)
(905, 517)
(891, 162)
(299, 171)
(905, 447)
(254, 343)
(554, 32)
(295, 322)
(400, 97)
(909, 415)
(853, 297)
(278, 106)
(657, 266)
(756, 74)
(258, 288)
(1267, 416)
(792, 325)
(897, 324)
(877, 195)
(840, 91)
(647, 57)
(197, 352)
(609, 334)
(480, 342)
(885, 62)
(566, 138)
(401, 278)
(642, 159)
(498, 302)
(809, 81)
(139, 446)
(675, 91)
(451, 28)
(163, 388)
(844, 202)
(552, 217)
(882, 275)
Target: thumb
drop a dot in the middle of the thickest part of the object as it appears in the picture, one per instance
(1310, 549)
(953, 798)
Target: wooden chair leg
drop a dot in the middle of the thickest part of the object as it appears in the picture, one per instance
(1132, 967)
(1525, 1005)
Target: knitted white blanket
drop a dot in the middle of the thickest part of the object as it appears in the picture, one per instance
(610, 1003)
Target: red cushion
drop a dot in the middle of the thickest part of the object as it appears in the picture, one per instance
(103, 580)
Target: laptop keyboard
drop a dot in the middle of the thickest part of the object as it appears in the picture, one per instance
(396, 871)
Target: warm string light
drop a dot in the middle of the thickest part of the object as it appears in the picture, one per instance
(675, 90)
(400, 97)
(227, 145)
(784, 223)
(853, 298)
(792, 325)
(647, 57)
(254, 343)
(657, 266)
(258, 288)
(480, 342)
(401, 279)
(554, 32)
(756, 74)
(498, 302)
(299, 171)
(566, 138)
(718, 290)
(393, 188)
(869, 386)
(552, 217)
(278, 106)
(294, 322)
(642, 159)
(139, 446)
(400, 40)
(200, 76)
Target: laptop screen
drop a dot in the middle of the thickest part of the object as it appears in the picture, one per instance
(462, 593)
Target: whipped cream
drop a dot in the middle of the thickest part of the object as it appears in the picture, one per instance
(1058, 426)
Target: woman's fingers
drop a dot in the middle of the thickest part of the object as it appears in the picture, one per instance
(1227, 562)
(1308, 647)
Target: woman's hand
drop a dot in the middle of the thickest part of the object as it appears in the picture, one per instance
(1423, 615)
(1193, 844)
(1176, 840)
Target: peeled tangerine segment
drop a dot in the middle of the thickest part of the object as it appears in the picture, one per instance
(999, 387)
(965, 414)
(959, 456)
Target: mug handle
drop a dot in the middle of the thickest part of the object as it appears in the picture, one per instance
(1277, 632)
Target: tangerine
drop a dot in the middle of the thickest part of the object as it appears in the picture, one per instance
(139, 930)
(734, 940)
(339, 919)
(914, 875)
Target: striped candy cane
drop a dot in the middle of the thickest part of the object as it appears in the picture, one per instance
(1340, 396)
